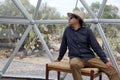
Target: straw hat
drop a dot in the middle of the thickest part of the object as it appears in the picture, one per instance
(77, 13)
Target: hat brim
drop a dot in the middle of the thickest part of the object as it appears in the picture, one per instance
(70, 14)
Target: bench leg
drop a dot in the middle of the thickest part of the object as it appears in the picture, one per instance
(92, 75)
(58, 75)
(47, 72)
(100, 77)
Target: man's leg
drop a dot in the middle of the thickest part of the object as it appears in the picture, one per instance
(110, 71)
(75, 65)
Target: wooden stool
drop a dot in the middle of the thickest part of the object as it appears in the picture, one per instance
(65, 67)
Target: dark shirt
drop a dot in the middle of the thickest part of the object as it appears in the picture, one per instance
(81, 43)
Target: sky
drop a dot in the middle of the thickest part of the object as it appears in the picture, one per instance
(64, 6)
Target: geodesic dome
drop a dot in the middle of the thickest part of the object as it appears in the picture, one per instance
(33, 23)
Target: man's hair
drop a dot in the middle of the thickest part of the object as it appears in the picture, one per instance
(82, 23)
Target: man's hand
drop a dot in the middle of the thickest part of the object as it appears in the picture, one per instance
(109, 64)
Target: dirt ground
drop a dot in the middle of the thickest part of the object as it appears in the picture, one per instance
(32, 66)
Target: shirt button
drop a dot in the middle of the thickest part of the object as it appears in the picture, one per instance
(78, 46)
(75, 32)
(77, 41)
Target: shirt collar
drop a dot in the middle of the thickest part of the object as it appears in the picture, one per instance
(74, 29)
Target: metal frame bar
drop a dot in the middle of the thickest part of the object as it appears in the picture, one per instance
(99, 14)
(37, 9)
(27, 22)
(105, 21)
(22, 9)
(12, 17)
(14, 21)
(37, 31)
(101, 9)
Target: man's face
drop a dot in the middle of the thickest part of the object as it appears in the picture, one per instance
(73, 20)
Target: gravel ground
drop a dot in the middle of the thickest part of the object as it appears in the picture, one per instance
(32, 66)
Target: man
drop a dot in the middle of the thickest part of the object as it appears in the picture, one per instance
(80, 40)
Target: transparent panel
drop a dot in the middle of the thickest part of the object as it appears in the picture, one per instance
(10, 35)
(30, 60)
(112, 32)
(7, 8)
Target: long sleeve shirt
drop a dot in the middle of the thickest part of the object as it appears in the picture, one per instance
(81, 43)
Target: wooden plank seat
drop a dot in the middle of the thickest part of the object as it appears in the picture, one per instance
(63, 66)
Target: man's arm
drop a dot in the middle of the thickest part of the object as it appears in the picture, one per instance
(96, 47)
(63, 47)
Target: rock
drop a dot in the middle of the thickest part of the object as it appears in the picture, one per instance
(56, 47)
(1, 53)
(118, 49)
(38, 53)
(22, 54)
(29, 52)
(51, 50)
(7, 53)
(118, 57)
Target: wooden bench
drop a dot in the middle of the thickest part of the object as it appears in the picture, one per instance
(64, 66)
